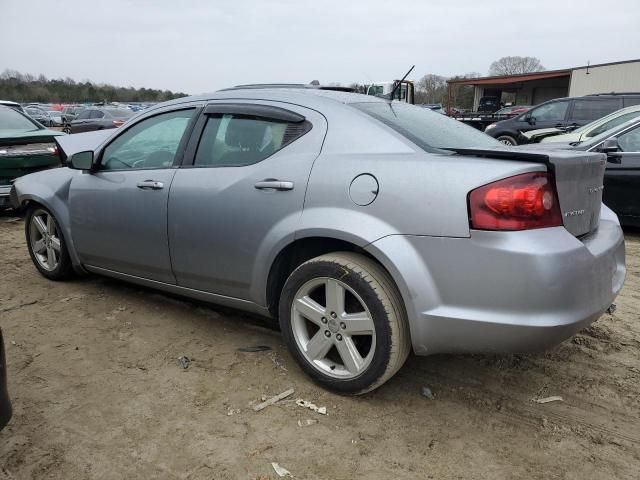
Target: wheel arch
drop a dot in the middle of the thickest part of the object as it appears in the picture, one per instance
(60, 211)
(300, 250)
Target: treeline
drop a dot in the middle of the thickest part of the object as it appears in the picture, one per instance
(23, 88)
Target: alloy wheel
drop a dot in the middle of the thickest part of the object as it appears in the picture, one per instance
(333, 328)
(45, 239)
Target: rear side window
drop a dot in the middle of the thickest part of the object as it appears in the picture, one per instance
(594, 109)
(232, 140)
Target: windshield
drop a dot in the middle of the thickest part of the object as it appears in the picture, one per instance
(614, 122)
(608, 134)
(427, 129)
(10, 119)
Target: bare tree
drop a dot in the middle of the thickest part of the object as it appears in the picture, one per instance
(515, 65)
(431, 89)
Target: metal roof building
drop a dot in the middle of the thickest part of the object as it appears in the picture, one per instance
(537, 87)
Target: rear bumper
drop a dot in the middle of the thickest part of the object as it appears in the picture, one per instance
(504, 291)
(5, 404)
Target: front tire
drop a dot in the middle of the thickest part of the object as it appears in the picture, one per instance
(46, 244)
(344, 322)
(507, 140)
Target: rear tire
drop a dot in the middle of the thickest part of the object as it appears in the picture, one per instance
(344, 322)
(507, 140)
(46, 244)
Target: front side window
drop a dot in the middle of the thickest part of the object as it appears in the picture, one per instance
(427, 129)
(630, 141)
(550, 112)
(150, 143)
(83, 115)
(593, 109)
(232, 140)
(96, 114)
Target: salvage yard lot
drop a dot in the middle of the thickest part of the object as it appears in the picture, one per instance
(98, 392)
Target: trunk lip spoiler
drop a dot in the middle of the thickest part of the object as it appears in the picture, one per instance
(520, 156)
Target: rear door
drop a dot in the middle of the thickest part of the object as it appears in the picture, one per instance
(587, 109)
(622, 180)
(78, 124)
(242, 193)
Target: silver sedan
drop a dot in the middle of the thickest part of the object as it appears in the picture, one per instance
(369, 228)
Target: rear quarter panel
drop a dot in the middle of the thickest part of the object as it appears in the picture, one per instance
(419, 194)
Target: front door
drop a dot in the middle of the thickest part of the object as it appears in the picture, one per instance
(242, 194)
(548, 115)
(622, 180)
(119, 213)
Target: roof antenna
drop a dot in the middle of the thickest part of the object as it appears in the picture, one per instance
(397, 85)
(588, 63)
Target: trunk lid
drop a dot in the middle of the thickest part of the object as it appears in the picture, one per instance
(26, 152)
(578, 176)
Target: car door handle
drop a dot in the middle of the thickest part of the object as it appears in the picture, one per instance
(270, 184)
(150, 185)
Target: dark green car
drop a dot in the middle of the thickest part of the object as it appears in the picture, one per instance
(25, 147)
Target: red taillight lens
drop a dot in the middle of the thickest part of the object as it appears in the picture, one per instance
(516, 203)
(118, 123)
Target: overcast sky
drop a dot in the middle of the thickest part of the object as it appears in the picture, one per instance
(199, 46)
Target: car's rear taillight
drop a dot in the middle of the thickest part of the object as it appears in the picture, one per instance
(118, 123)
(521, 202)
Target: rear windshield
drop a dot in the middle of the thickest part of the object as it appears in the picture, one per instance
(429, 130)
(10, 119)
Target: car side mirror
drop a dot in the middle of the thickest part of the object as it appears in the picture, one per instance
(610, 147)
(82, 160)
(529, 119)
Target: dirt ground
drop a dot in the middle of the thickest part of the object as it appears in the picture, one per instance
(98, 392)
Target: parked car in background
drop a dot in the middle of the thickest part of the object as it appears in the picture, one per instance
(434, 107)
(25, 147)
(10, 104)
(565, 113)
(70, 112)
(5, 403)
(513, 110)
(489, 104)
(593, 129)
(621, 144)
(38, 114)
(285, 202)
(98, 118)
(55, 118)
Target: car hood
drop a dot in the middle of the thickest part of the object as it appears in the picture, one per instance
(541, 133)
(564, 138)
(81, 142)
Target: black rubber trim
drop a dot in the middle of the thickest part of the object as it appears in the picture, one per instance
(267, 111)
(518, 156)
